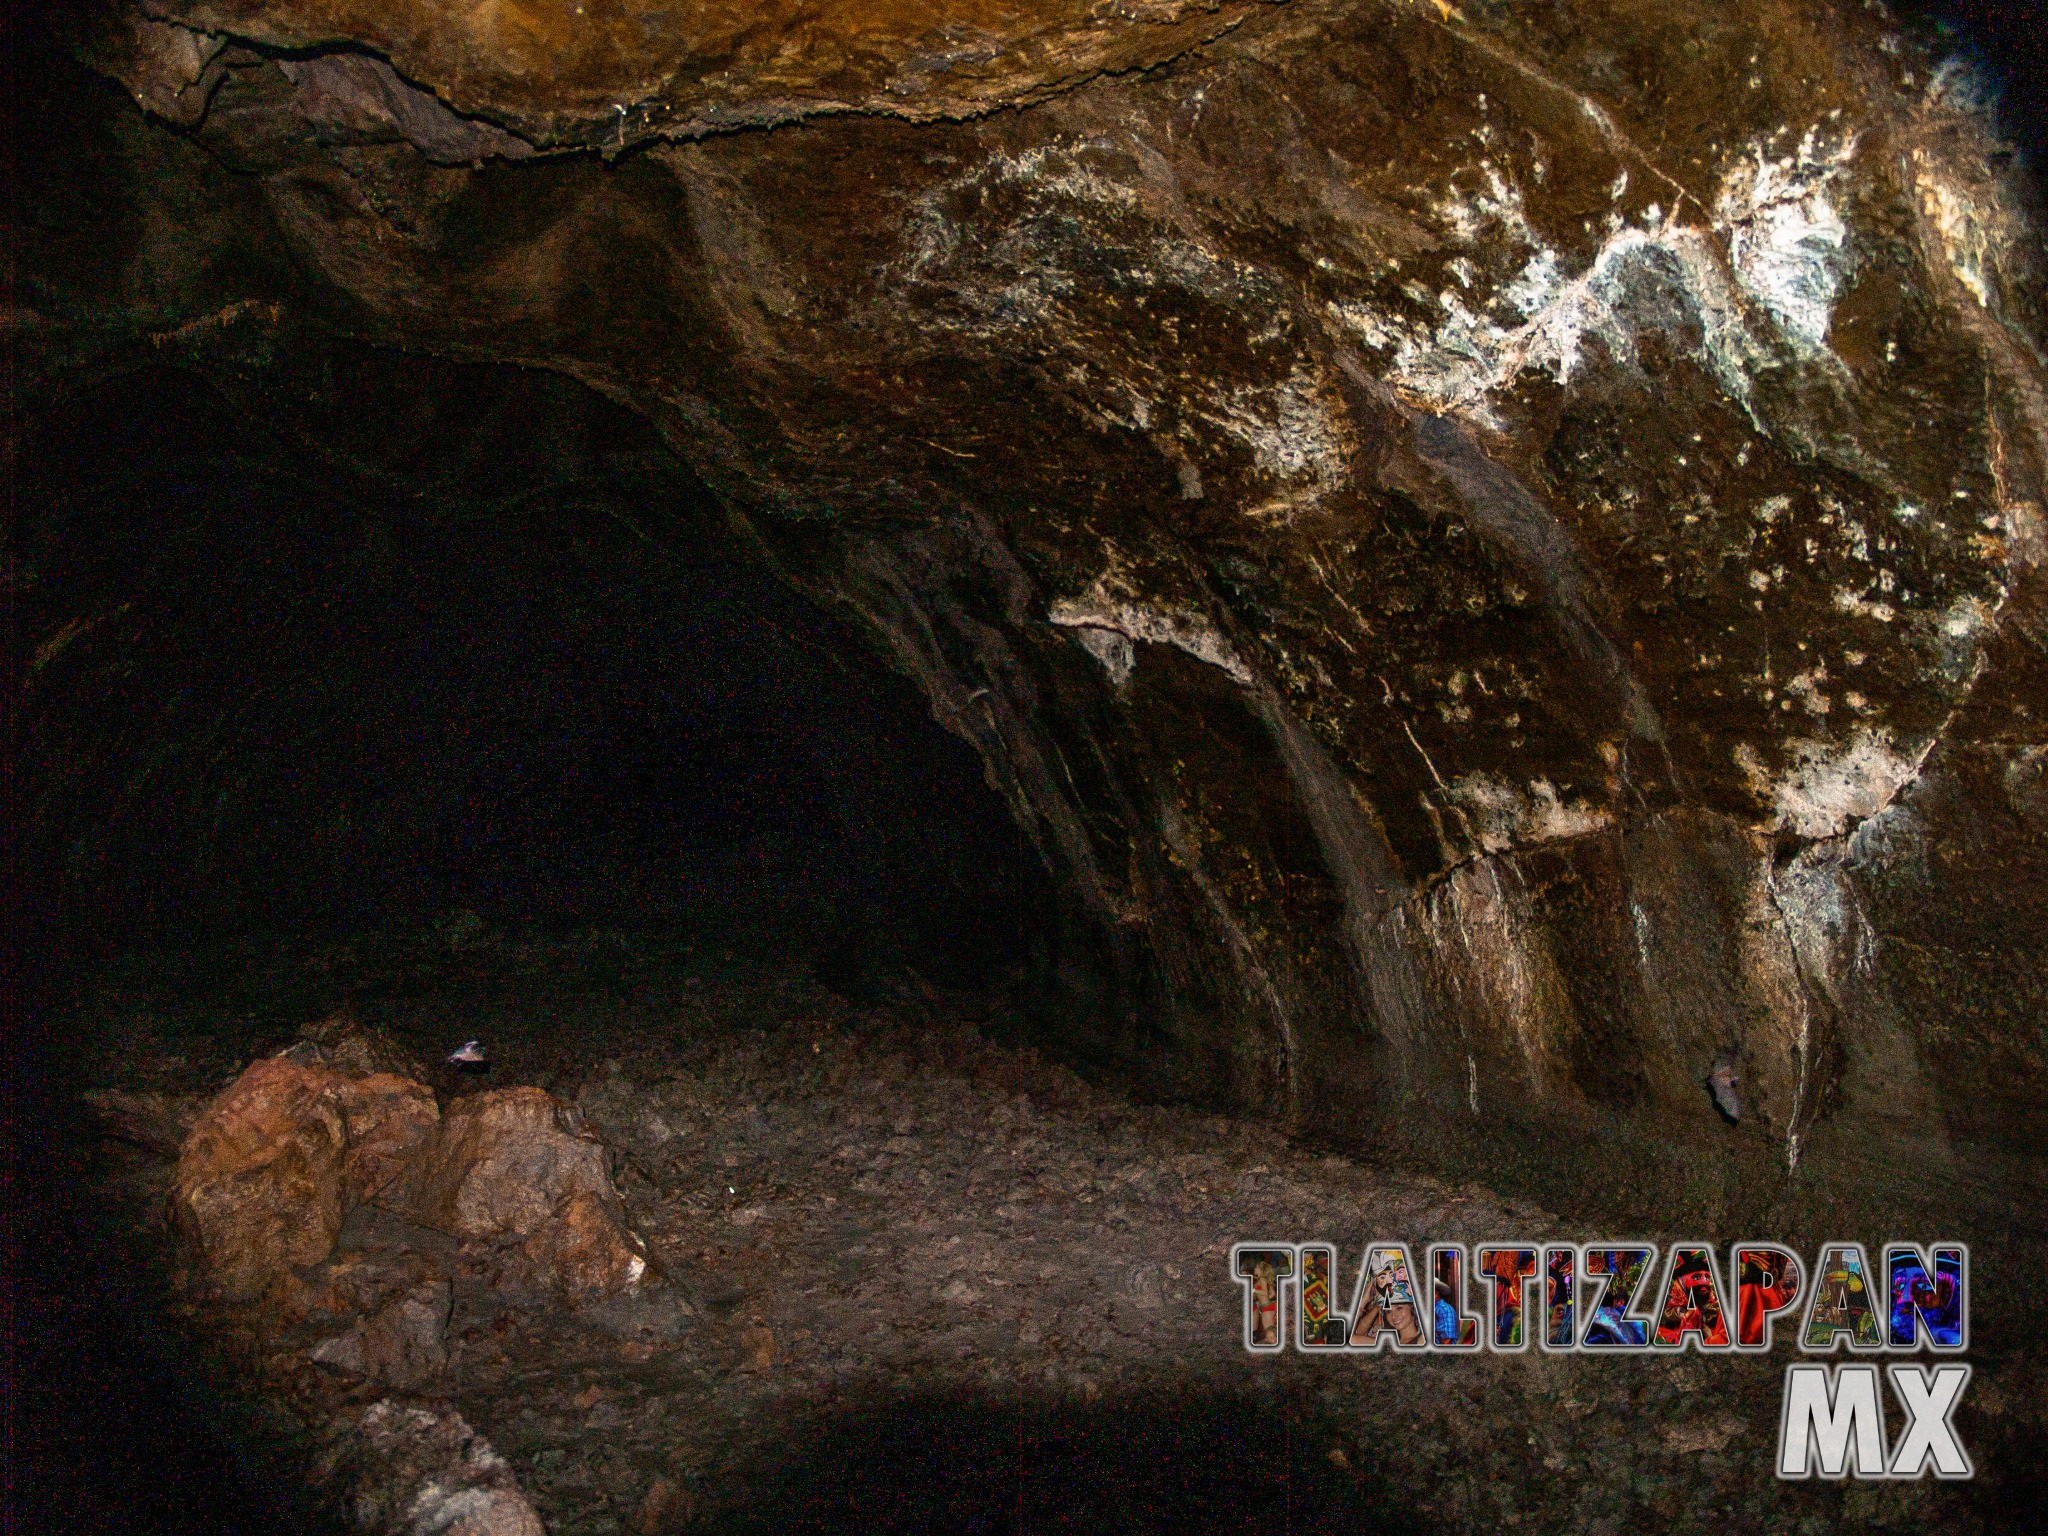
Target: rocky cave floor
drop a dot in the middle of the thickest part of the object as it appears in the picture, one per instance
(905, 1276)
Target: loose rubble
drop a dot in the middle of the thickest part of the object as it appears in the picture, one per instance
(877, 1254)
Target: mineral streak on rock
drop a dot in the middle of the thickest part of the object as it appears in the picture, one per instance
(1476, 542)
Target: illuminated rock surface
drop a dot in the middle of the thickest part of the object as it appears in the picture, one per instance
(1494, 558)
(1493, 552)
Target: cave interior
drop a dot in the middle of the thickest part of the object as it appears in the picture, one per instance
(909, 640)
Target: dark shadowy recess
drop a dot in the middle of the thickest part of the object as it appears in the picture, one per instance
(384, 641)
(1146, 1464)
(115, 1426)
(2008, 41)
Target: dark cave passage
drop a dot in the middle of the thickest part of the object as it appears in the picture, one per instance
(397, 644)
(384, 656)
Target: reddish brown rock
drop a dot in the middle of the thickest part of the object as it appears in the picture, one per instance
(260, 1180)
(274, 1163)
(515, 1164)
(389, 1119)
(613, 74)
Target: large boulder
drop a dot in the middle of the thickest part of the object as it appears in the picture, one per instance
(273, 1165)
(517, 1166)
(259, 1182)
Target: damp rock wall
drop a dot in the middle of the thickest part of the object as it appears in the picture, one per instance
(1493, 551)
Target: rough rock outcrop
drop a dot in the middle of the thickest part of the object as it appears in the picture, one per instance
(515, 1165)
(272, 1166)
(611, 75)
(1495, 553)
(420, 1471)
(389, 1119)
(404, 1343)
(275, 1165)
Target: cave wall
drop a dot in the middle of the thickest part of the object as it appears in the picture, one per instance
(1493, 551)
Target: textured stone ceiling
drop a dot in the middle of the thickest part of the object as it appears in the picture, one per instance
(613, 71)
